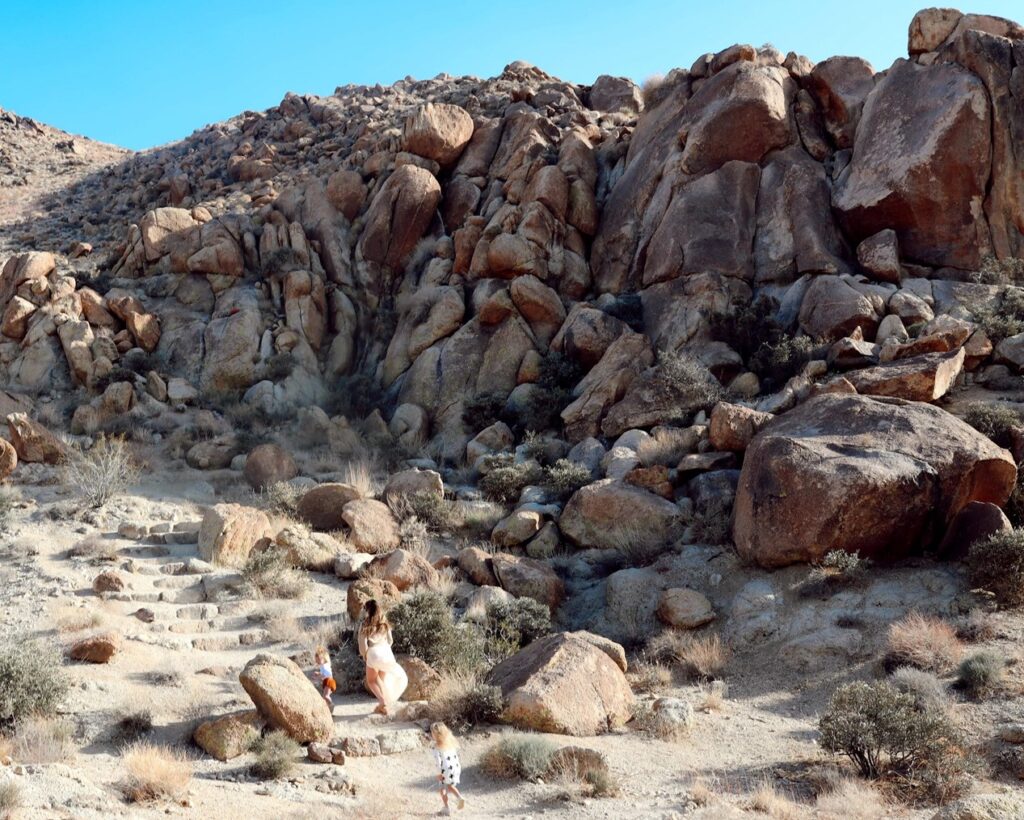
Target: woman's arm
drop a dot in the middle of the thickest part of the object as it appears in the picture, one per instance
(362, 644)
(390, 637)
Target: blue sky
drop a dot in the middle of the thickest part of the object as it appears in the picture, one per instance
(143, 73)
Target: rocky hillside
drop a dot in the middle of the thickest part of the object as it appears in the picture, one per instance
(717, 377)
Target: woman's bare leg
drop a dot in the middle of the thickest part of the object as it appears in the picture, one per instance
(373, 684)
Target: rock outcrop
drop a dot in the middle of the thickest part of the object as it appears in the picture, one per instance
(286, 699)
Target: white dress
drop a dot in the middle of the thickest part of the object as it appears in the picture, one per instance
(451, 768)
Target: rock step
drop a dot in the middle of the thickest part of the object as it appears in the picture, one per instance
(190, 595)
(197, 612)
(135, 597)
(215, 625)
(177, 582)
(145, 551)
(219, 643)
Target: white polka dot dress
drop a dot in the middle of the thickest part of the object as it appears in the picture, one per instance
(451, 768)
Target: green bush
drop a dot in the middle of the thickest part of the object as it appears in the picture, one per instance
(997, 565)
(424, 627)
(32, 680)
(993, 420)
(885, 732)
(512, 625)
(999, 271)
(981, 673)
(463, 701)
(505, 479)
(552, 394)
(687, 385)
(565, 477)
(519, 757)
(349, 669)
(438, 513)
(777, 363)
(275, 756)
(1005, 320)
(483, 411)
(354, 397)
(925, 688)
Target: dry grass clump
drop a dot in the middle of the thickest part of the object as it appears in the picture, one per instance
(102, 472)
(649, 677)
(79, 620)
(361, 474)
(851, 800)
(767, 800)
(714, 694)
(703, 657)
(462, 700)
(584, 772)
(169, 677)
(928, 691)
(95, 549)
(155, 773)
(10, 799)
(924, 642)
(10, 498)
(977, 627)
(637, 545)
(664, 724)
(275, 756)
(41, 739)
(269, 574)
(437, 513)
(701, 792)
(132, 727)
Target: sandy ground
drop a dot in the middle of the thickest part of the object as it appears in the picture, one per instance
(765, 730)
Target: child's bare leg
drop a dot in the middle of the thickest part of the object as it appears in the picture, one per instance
(455, 790)
(444, 796)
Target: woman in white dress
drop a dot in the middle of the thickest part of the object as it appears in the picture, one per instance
(385, 678)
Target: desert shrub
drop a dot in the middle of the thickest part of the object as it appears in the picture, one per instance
(923, 642)
(132, 727)
(660, 724)
(42, 739)
(552, 394)
(10, 798)
(997, 565)
(993, 271)
(653, 91)
(463, 701)
(1004, 320)
(424, 627)
(993, 420)
(688, 385)
(279, 366)
(976, 627)
(519, 757)
(32, 680)
(169, 677)
(1014, 507)
(438, 513)
(981, 674)
(269, 574)
(712, 523)
(883, 732)
(928, 691)
(102, 472)
(564, 477)
(767, 800)
(778, 362)
(275, 756)
(482, 411)
(353, 397)
(155, 773)
(280, 497)
(10, 497)
(511, 626)
(348, 667)
(505, 482)
(281, 261)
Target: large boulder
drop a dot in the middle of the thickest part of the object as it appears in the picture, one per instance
(920, 165)
(564, 684)
(33, 442)
(372, 527)
(322, 506)
(438, 132)
(230, 736)
(832, 308)
(8, 459)
(399, 215)
(733, 426)
(528, 578)
(608, 513)
(286, 698)
(919, 378)
(269, 464)
(404, 569)
(359, 592)
(230, 532)
(414, 482)
(874, 476)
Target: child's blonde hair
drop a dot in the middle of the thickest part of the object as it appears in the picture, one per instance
(321, 654)
(443, 736)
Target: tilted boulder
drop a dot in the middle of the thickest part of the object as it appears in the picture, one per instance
(877, 477)
(8, 459)
(286, 698)
(230, 736)
(372, 527)
(563, 684)
(322, 507)
(404, 569)
(607, 514)
(438, 132)
(399, 215)
(230, 532)
(919, 378)
(33, 442)
(269, 464)
(528, 578)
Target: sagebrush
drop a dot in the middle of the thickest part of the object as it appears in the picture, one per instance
(32, 680)
(102, 472)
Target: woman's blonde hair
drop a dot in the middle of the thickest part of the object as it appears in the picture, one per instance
(374, 619)
(443, 736)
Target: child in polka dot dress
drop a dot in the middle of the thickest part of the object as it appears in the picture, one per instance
(446, 753)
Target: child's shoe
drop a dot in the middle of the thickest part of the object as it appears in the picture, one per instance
(462, 803)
